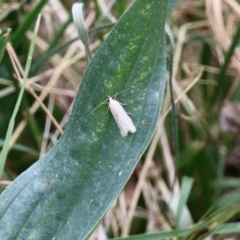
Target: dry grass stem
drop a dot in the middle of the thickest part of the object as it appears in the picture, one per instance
(49, 114)
(214, 12)
(167, 158)
(47, 127)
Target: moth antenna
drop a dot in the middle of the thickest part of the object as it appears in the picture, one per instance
(121, 91)
(99, 106)
(114, 97)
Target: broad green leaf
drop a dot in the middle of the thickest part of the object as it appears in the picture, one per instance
(67, 192)
(4, 35)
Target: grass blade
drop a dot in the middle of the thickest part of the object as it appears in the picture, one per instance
(12, 120)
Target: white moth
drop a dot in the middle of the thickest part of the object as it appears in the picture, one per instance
(124, 122)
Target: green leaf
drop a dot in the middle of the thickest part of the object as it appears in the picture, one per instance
(219, 89)
(78, 18)
(4, 35)
(19, 99)
(21, 148)
(227, 228)
(157, 236)
(185, 191)
(18, 35)
(67, 192)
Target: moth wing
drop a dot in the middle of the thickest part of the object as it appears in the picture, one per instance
(124, 122)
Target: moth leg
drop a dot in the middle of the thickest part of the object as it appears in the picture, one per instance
(130, 113)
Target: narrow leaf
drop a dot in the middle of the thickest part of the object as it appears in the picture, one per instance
(185, 191)
(4, 152)
(18, 35)
(78, 18)
(4, 35)
(157, 236)
(227, 228)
